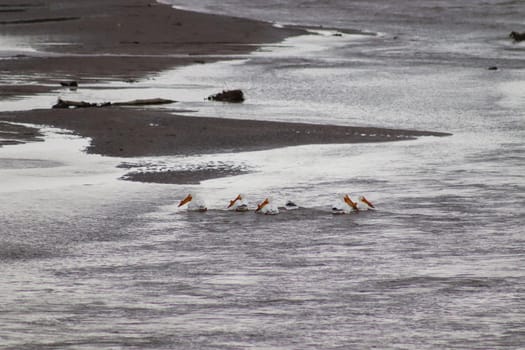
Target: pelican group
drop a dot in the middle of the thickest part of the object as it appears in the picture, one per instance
(344, 205)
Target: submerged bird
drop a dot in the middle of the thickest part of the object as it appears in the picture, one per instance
(195, 203)
(290, 205)
(345, 206)
(239, 203)
(267, 207)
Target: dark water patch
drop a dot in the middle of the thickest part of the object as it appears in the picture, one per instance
(451, 285)
(227, 218)
(10, 251)
(16, 134)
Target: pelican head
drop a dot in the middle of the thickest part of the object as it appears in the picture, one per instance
(350, 202)
(262, 204)
(366, 201)
(233, 201)
(187, 199)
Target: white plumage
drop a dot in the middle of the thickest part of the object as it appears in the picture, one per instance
(267, 207)
(239, 203)
(195, 203)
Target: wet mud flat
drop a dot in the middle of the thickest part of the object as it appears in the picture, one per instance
(14, 134)
(130, 132)
(99, 41)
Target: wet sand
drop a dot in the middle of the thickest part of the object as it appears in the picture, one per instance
(12, 134)
(123, 40)
(117, 40)
(127, 132)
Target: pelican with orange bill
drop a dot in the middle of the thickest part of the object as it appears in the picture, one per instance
(195, 203)
(238, 203)
(345, 205)
(350, 202)
(368, 204)
(267, 207)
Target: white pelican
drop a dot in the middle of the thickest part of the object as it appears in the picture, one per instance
(290, 205)
(365, 203)
(346, 206)
(239, 203)
(267, 207)
(195, 203)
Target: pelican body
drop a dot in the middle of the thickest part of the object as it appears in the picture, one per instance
(195, 203)
(346, 206)
(239, 204)
(267, 207)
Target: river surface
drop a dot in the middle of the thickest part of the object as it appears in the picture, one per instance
(92, 262)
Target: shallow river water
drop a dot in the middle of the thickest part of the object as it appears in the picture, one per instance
(91, 262)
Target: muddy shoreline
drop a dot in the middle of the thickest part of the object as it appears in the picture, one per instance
(119, 40)
(122, 40)
(130, 132)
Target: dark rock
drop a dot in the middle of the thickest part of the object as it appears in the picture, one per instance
(493, 68)
(233, 96)
(517, 37)
(70, 83)
(60, 104)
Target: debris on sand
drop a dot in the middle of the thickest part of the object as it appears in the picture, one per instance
(144, 102)
(77, 104)
(233, 96)
(69, 83)
(82, 104)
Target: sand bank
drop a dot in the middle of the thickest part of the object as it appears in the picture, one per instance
(117, 40)
(129, 132)
(129, 39)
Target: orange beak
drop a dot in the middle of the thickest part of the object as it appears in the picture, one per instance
(364, 200)
(185, 200)
(262, 205)
(232, 202)
(350, 202)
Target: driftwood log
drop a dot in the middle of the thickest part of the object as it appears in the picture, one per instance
(82, 104)
(234, 96)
